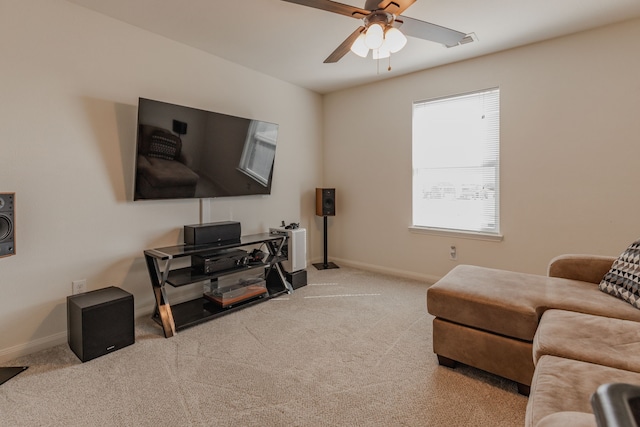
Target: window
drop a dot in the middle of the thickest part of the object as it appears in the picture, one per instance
(456, 158)
(259, 151)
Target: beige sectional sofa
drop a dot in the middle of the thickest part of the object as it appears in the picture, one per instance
(574, 354)
(558, 336)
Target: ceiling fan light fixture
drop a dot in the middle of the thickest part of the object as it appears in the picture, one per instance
(359, 46)
(394, 40)
(379, 16)
(374, 36)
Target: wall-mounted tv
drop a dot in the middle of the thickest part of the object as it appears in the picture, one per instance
(184, 152)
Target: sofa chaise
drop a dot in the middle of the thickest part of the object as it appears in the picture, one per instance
(558, 336)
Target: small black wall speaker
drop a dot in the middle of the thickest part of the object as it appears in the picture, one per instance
(179, 127)
(325, 201)
(212, 232)
(7, 224)
(100, 322)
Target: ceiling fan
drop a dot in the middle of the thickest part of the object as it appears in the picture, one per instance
(380, 30)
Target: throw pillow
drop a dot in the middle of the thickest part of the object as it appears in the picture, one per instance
(164, 145)
(623, 279)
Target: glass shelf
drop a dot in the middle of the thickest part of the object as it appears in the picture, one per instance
(178, 251)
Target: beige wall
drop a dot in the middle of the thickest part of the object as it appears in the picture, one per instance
(69, 86)
(570, 126)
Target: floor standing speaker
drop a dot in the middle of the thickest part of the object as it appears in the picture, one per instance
(7, 224)
(100, 322)
(325, 201)
(325, 207)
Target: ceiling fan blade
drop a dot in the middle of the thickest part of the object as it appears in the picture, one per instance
(395, 6)
(427, 31)
(344, 47)
(332, 6)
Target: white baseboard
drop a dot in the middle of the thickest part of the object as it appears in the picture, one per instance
(32, 346)
(384, 270)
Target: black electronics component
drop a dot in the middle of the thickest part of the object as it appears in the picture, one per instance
(238, 152)
(219, 261)
(292, 226)
(256, 256)
(7, 225)
(297, 279)
(213, 232)
(100, 322)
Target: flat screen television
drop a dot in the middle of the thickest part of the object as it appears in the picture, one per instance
(185, 152)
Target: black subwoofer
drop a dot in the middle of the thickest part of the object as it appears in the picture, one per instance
(325, 201)
(100, 322)
(7, 224)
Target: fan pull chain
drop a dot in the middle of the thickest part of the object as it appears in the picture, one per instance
(378, 65)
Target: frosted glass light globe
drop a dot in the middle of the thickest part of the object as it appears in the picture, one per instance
(394, 40)
(359, 47)
(374, 37)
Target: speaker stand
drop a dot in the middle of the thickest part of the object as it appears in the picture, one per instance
(326, 265)
(7, 373)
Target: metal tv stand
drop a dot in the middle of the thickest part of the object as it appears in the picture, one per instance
(173, 318)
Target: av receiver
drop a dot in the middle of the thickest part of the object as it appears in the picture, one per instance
(219, 260)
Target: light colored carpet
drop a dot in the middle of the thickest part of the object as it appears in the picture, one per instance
(353, 348)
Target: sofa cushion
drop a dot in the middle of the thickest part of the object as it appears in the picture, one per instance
(561, 384)
(165, 173)
(568, 419)
(595, 339)
(164, 145)
(511, 303)
(623, 279)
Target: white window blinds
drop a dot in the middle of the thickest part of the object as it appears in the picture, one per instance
(456, 158)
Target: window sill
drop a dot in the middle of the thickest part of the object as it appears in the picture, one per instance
(474, 235)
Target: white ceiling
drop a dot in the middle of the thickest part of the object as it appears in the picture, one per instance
(290, 42)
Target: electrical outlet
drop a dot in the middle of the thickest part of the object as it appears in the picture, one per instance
(453, 253)
(78, 286)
